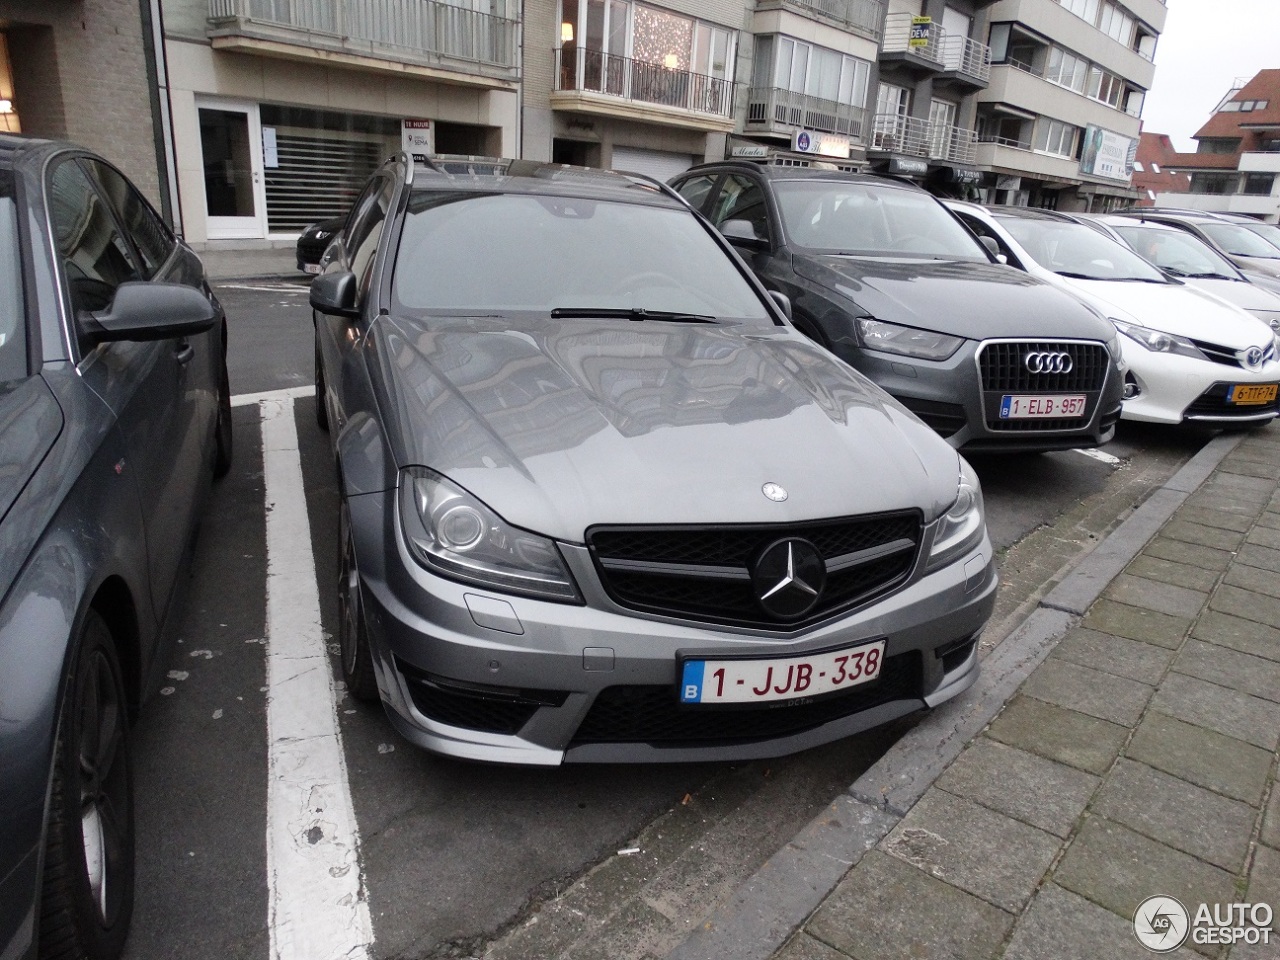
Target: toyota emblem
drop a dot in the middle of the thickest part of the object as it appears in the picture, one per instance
(788, 577)
(1049, 362)
(774, 492)
(1253, 357)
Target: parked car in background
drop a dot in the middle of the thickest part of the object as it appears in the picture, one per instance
(1269, 232)
(114, 415)
(1191, 260)
(314, 240)
(601, 502)
(1239, 244)
(1191, 356)
(882, 275)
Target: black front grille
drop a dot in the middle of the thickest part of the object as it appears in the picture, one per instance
(1214, 403)
(1003, 367)
(1229, 356)
(718, 598)
(653, 714)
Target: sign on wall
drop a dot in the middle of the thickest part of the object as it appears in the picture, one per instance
(416, 139)
(920, 32)
(1107, 154)
(821, 144)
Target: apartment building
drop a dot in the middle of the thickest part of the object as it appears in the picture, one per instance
(84, 70)
(1058, 124)
(1236, 166)
(282, 108)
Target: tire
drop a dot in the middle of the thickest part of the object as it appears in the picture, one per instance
(353, 635)
(222, 431)
(88, 883)
(322, 409)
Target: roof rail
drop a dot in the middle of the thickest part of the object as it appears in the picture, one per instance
(645, 178)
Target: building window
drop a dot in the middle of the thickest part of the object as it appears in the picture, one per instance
(1155, 168)
(1217, 145)
(811, 70)
(1213, 183)
(1057, 138)
(1105, 87)
(1137, 167)
(1116, 24)
(1259, 184)
(1133, 102)
(1066, 70)
(1085, 9)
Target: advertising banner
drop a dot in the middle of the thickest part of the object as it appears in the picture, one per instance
(1107, 154)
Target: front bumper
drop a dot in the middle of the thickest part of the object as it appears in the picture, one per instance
(1176, 389)
(472, 673)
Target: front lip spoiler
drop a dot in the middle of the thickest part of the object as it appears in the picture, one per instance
(1213, 418)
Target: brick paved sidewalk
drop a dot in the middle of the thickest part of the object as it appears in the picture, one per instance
(1139, 759)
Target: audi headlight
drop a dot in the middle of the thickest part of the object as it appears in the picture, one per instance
(452, 533)
(1158, 341)
(962, 527)
(906, 341)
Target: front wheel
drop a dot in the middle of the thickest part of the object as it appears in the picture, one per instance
(88, 881)
(353, 635)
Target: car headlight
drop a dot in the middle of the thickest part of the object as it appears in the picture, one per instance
(323, 234)
(963, 526)
(1113, 348)
(906, 341)
(1158, 341)
(452, 533)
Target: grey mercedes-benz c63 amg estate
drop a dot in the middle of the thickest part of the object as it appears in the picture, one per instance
(600, 501)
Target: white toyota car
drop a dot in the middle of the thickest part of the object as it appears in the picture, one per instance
(1191, 355)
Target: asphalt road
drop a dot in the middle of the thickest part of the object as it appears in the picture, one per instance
(453, 853)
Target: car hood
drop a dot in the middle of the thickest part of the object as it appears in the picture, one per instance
(1174, 308)
(1268, 266)
(561, 424)
(30, 421)
(1245, 295)
(975, 300)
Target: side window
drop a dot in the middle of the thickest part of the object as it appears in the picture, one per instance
(94, 254)
(982, 230)
(13, 343)
(695, 190)
(357, 219)
(742, 199)
(151, 238)
(363, 243)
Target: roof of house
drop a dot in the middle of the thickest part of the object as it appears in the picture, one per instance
(1158, 159)
(1231, 123)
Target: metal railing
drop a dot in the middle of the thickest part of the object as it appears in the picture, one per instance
(897, 38)
(592, 71)
(770, 107)
(966, 56)
(952, 143)
(863, 17)
(898, 134)
(1005, 141)
(407, 30)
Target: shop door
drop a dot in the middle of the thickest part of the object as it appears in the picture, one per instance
(231, 152)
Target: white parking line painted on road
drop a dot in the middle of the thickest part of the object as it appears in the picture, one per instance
(266, 287)
(1102, 457)
(288, 393)
(316, 900)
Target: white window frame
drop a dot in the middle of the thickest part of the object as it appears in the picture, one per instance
(851, 85)
(1059, 139)
(1069, 71)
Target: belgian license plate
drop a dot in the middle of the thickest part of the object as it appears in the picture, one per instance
(311, 267)
(1023, 407)
(784, 678)
(1247, 393)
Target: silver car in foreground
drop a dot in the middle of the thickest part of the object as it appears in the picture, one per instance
(602, 502)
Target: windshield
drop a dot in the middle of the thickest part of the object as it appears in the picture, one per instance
(1074, 250)
(1179, 253)
(1238, 241)
(872, 218)
(13, 345)
(497, 253)
(1267, 231)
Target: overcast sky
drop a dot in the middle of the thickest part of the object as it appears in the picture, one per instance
(1206, 45)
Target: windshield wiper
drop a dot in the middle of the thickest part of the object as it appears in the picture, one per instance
(1089, 276)
(628, 313)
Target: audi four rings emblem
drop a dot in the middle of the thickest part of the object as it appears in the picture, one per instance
(1044, 362)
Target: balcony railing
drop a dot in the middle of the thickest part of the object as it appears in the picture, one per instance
(863, 17)
(771, 107)
(592, 71)
(898, 134)
(897, 38)
(966, 56)
(953, 144)
(412, 31)
(1005, 141)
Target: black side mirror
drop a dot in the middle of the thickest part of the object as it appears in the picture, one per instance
(142, 310)
(335, 294)
(783, 302)
(742, 233)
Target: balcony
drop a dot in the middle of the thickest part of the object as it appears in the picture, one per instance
(422, 37)
(894, 133)
(863, 17)
(771, 110)
(897, 47)
(965, 61)
(590, 81)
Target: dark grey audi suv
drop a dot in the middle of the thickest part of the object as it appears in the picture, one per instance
(881, 273)
(600, 501)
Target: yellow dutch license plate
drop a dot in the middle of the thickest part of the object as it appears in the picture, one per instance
(1252, 393)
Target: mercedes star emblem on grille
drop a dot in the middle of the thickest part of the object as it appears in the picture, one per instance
(1043, 361)
(1253, 357)
(788, 577)
(774, 492)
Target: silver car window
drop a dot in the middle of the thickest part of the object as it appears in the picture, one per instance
(1072, 249)
(1238, 241)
